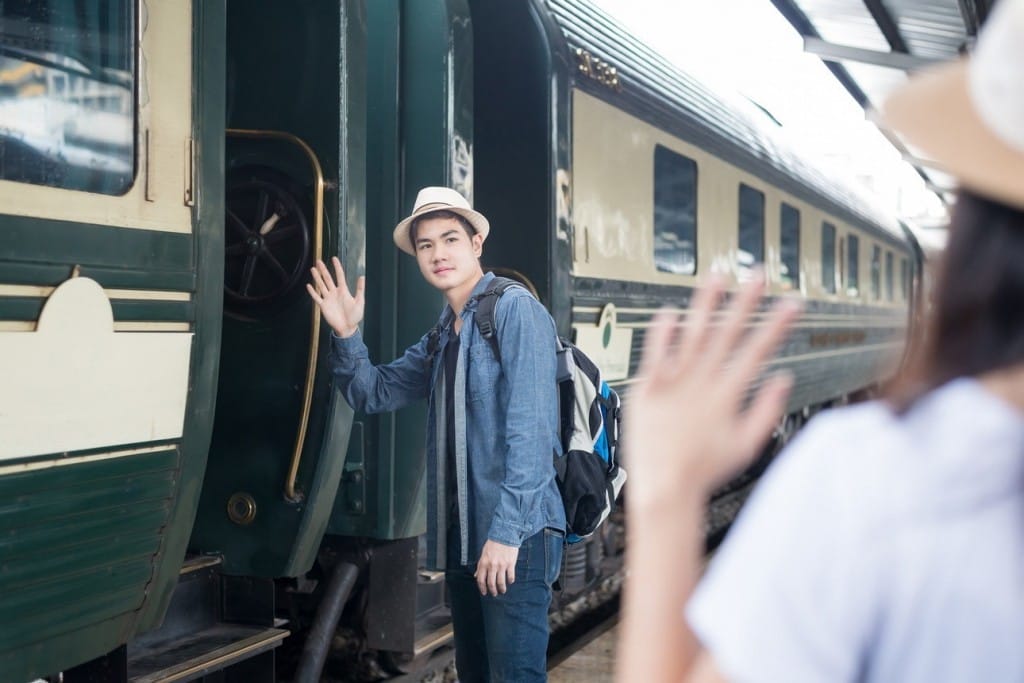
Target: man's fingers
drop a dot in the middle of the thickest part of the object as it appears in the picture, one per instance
(339, 275)
(360, 288)
(313, 295)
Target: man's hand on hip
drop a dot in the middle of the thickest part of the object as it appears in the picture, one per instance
(496, 569)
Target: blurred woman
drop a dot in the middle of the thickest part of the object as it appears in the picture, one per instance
(887, 541)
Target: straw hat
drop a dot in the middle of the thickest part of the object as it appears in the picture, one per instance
(431, 199)
(968, 116)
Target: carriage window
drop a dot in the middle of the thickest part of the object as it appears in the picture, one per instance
(675, 212)
(888, 276)
(828, 257)
(67, 84)
(751, 227)
(852, 265)
(789, 219)
(876, 272)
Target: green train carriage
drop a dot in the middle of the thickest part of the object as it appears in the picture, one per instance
(184, 487)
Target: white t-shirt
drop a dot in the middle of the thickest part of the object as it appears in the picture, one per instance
(879, 548)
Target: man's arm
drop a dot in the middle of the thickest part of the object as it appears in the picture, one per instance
(372, 389)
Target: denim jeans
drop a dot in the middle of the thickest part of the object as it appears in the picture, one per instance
(504, 637)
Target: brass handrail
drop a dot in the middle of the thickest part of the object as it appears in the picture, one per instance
(290, 493)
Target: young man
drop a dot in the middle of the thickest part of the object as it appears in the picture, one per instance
(495, 521)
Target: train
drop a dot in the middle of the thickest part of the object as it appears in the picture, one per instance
(185, 494)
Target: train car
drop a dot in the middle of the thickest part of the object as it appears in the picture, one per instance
(184, 489)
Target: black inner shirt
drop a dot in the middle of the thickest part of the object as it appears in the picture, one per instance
(451, 362)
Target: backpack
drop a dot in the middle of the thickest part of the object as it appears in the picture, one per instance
(588, 474)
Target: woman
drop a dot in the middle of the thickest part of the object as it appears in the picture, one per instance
(887, 542)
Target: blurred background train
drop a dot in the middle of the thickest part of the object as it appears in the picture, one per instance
(181, 487)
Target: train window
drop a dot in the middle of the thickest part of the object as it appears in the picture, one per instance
(789, 220)
(67, 94)
(888, 276)
(675, 212)
(852, 265)
(876, 272)
(751, 227)
(828, 257)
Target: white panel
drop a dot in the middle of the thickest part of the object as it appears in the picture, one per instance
(75, 384)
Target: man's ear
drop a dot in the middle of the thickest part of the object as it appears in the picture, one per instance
(478, 244)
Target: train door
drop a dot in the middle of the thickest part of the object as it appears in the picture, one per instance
(294, 191)
(107, 331)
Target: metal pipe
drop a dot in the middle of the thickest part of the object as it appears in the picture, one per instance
(314, 652)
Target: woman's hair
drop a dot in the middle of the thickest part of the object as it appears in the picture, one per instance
(977, 319)
(414, 226)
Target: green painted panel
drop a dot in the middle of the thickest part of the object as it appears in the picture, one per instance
(25, 239)
(63, 650)
(28, 309)
(78, 543)
(93, 597)
(115, 278)
(149, 517)
(17, 483)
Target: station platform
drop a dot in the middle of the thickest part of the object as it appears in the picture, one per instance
(593, 663)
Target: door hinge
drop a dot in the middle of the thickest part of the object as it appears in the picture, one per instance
(190, 172)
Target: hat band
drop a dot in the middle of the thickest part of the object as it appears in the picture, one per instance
(434, 206)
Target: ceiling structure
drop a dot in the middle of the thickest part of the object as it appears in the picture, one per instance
(871, 45)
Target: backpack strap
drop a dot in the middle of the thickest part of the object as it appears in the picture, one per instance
(484, 315)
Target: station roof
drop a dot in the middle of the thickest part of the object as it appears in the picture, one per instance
(871, 45)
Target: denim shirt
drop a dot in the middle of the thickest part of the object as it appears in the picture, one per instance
(506, 420)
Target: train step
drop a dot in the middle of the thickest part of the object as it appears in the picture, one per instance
(214, 623)
(199, 654)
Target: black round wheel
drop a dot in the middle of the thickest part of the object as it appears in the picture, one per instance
(266, 240)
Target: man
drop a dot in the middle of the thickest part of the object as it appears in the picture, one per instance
(495, 520)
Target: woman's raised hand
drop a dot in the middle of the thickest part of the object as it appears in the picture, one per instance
(342, 311)
(685, 424)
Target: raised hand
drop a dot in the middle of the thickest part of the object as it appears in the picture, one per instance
(342, 311)
(685, 426)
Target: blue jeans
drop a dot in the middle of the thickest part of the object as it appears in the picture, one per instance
(504, 637)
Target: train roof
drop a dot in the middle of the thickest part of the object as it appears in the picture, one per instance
(680, 103)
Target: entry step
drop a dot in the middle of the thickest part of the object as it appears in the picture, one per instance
(198, 654)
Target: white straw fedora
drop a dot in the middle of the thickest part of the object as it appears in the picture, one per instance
(431, 199)
(968, 116)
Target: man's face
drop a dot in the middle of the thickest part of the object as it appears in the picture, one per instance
(447, 255)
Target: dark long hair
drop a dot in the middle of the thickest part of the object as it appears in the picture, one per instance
(976, 324)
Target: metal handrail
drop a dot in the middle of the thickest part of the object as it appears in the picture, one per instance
(290, 493)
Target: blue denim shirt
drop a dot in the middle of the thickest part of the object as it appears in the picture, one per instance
(506, 420)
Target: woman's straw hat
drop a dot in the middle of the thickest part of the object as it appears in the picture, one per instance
(431, 199)
(968, 116)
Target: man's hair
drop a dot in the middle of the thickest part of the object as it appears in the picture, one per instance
(442, 213)
(975, 325)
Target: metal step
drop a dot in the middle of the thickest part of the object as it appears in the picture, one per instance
(198, 654)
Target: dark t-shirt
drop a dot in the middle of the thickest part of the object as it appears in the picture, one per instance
(451, 362)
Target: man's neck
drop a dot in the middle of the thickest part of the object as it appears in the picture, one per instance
(458, 296)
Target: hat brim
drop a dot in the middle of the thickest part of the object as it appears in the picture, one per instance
(401, 235)
(934, 112)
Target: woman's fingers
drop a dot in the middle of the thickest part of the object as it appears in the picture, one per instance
(760, 345)
(763, 414)
(737, 318)
(698, 323)
(658, 340)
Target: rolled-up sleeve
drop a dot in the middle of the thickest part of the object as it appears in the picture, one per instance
(379, 388)
(527, 344)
